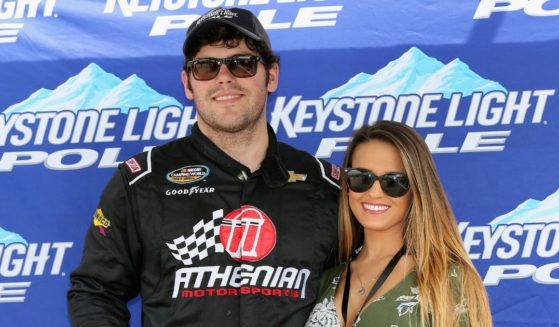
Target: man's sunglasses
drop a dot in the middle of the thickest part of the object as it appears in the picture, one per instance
(392, 184)
(205, 69)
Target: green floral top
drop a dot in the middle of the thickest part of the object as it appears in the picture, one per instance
(399, 307)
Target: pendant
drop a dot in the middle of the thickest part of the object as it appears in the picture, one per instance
(361, 290)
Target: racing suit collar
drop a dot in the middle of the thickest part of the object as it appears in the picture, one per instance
(272, 168)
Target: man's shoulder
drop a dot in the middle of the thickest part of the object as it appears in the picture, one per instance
(137, 165)
(320, 169)
(145, 163)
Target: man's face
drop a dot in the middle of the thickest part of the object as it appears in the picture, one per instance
(227, 103)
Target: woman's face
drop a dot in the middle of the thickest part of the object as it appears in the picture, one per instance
(375, 210)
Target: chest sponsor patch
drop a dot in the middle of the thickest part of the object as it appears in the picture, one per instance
(188, 174)
(247, 234)
(193, 190)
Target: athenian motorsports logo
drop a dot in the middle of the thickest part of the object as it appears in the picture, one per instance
(518, 238)
(21, 260)
(248, 235)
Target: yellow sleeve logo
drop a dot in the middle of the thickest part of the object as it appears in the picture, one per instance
(101, 222)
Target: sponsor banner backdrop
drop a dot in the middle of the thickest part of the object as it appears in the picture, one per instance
(88, 83)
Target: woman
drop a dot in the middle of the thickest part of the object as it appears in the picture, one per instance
(407, 264)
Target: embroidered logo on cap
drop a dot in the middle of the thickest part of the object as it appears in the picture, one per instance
(217, 13)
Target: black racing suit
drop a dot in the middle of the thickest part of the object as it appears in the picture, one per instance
(205, 242)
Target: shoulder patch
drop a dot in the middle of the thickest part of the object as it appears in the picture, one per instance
(137, 166)
(330, 172)
(133, 165)
(335, 172)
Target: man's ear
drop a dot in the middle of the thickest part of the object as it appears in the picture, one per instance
(186, 85)
(273, 78)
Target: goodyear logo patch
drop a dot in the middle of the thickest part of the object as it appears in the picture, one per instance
(188, 174)
(101, 222)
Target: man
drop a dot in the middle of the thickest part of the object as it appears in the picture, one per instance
(226, 227)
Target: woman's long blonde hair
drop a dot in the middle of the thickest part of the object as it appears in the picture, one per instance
(430, 233)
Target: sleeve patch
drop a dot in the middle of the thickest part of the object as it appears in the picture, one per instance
(101, 222)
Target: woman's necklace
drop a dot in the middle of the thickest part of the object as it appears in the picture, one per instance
(364, 287)
(381, 278)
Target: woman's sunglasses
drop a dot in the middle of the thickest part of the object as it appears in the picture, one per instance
(205, 69)
(392, 184)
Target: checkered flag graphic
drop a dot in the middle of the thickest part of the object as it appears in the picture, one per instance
(197, 246)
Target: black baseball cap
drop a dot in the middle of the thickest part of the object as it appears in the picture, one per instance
(241, 19)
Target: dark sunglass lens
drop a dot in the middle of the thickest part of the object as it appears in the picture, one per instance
(205, 69)
(243, 66)
(359, 181)
(395, 185)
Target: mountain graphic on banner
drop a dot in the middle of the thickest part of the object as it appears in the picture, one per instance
(7, 237)
(416, 73)
(94, 88)
(531, 211)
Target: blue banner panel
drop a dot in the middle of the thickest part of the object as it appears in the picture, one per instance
(88, 83)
